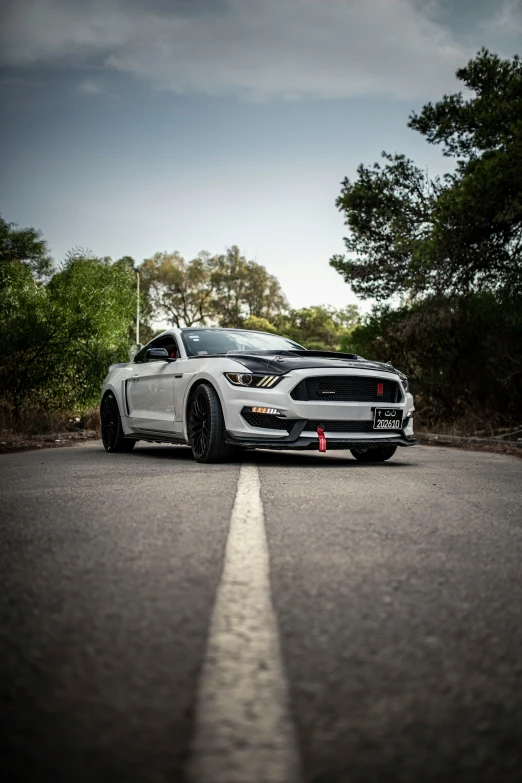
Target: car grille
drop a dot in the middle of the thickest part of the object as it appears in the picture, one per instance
(346, 388)
(339, 426)
(268, 422)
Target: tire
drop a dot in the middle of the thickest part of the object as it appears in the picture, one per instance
(206, 426)
(381, 454)
(113, 437)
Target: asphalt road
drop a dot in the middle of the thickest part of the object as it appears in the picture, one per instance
(384, 644)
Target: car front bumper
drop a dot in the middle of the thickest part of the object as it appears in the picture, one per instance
(240, 432)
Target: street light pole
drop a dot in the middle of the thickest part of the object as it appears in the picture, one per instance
(138, 309)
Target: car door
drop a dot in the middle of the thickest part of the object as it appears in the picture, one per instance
(150, 390)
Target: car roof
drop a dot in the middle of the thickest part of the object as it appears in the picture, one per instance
(225, 329)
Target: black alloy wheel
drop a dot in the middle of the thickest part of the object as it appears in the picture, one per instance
(199, 424)
(380, 454)
(206, 426)
(113, 437)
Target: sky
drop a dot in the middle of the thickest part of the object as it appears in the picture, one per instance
(136, 126)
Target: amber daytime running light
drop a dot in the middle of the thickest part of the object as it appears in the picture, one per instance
(254, 381)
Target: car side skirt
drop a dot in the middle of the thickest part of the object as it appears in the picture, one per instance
(158, 437)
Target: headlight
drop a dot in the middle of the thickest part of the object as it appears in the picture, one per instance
(405, 384)
(254, 381)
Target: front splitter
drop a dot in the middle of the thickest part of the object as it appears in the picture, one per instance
(313, 443)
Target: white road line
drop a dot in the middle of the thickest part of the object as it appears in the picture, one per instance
(244, 733)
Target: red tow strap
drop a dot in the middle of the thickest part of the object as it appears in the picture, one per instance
(322, 439)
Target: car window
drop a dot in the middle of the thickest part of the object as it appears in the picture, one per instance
(167, 341)
(201, 342)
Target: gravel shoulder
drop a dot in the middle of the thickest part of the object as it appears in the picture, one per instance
(12, 442)
(492, 445)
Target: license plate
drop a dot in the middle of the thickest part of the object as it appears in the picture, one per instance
(387, 419)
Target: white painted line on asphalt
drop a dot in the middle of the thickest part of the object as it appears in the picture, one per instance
(244, 733)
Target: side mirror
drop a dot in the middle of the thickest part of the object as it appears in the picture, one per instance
(157, 355)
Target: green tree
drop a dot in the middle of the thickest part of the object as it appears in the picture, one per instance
(259, 325)
(25, 246)
(179, 291)
(58, 339)
(128, 262)
(319, 327)
(389, 214)
(225, 289)
(461, 353)
(412, 235)
(244, 289)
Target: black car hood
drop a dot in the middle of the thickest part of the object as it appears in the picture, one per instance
(282, 362)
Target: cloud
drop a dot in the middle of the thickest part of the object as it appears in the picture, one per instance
(256, 49)
(14, 81)
(507, 18)
(88, 87)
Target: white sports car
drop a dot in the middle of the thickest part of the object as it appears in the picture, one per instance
(219, 389)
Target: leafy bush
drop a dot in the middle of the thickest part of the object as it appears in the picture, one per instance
(58, 339)
(463, 354)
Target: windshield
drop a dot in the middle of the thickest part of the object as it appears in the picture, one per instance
(208, 342)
